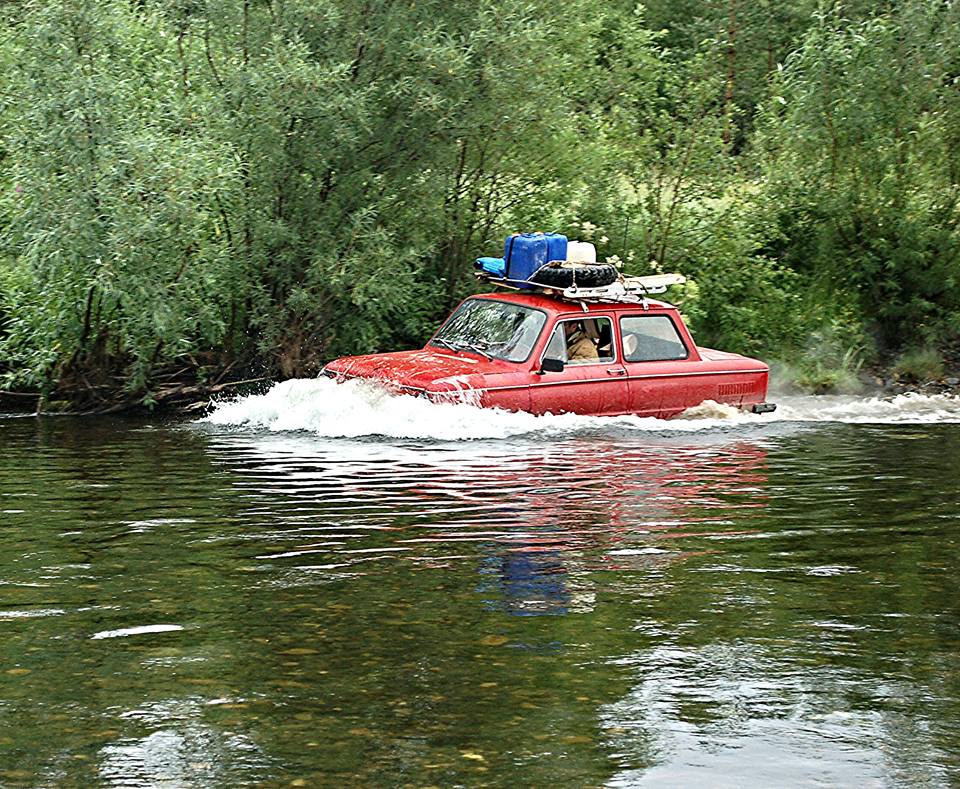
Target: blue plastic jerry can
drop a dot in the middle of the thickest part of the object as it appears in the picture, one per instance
(494, 266)
(527, 253)
(556, 247)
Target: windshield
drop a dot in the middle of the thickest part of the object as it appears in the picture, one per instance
(494, 329)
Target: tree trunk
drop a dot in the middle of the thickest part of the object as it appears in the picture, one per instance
(731, 71)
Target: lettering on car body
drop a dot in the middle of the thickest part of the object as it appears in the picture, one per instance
(729, 390)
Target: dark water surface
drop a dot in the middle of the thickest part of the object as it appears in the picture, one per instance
(201, 606)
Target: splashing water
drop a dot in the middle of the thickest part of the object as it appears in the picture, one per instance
(358, 408)
(900, 409)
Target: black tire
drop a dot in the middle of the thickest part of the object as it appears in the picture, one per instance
(581, 275)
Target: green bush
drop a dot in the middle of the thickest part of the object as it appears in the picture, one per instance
(918, 366)
(858, 149)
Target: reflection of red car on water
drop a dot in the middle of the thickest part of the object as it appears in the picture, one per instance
(541, 353)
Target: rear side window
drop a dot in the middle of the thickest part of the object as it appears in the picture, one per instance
(651, 338)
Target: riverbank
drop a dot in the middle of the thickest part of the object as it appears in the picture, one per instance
(182, 396)
(189, 397)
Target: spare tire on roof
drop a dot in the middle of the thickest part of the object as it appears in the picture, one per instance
(581, 275)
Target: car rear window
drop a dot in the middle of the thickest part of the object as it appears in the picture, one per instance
(651, 338)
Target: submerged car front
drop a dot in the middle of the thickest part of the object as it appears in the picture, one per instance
(480, 355)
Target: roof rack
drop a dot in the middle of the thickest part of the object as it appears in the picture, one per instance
(633, 290)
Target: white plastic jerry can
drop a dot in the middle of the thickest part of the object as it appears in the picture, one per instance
(581, 252)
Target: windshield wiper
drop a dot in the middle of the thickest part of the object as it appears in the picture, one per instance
(466, 346)
(461, 345)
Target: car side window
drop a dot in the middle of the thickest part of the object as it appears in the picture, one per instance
(651, 338)
(582, 341)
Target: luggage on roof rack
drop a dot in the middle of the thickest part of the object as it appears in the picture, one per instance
(532, 260)
(548, 263)
(624, 289)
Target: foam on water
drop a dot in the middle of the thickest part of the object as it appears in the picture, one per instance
(359, 408)
(891, 410)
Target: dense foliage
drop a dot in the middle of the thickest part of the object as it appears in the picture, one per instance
(252, 187)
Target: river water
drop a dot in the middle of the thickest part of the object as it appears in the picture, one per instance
(329, 586)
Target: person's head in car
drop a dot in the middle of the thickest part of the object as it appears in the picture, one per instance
(580, 346)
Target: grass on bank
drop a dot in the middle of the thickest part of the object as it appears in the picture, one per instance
(919, 365)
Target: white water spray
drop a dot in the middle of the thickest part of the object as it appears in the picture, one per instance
(357, 408)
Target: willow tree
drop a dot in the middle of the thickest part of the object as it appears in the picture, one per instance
(675, 198)
(114, 259)
(384, 145)
(860, 149)
(268, 184)
(742, 43)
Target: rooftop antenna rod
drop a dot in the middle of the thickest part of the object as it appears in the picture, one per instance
(626, 226)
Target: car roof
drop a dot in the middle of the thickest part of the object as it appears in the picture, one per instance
(558, 306)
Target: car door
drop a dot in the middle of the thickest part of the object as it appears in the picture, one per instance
(591, 382)
(661, 368)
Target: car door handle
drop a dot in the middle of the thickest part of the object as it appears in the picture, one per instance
(617, 371)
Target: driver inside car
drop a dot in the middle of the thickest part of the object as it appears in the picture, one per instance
(580, 346)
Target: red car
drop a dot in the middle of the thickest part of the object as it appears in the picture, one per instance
(540, 353)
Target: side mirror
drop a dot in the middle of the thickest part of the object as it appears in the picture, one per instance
(549, 365)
